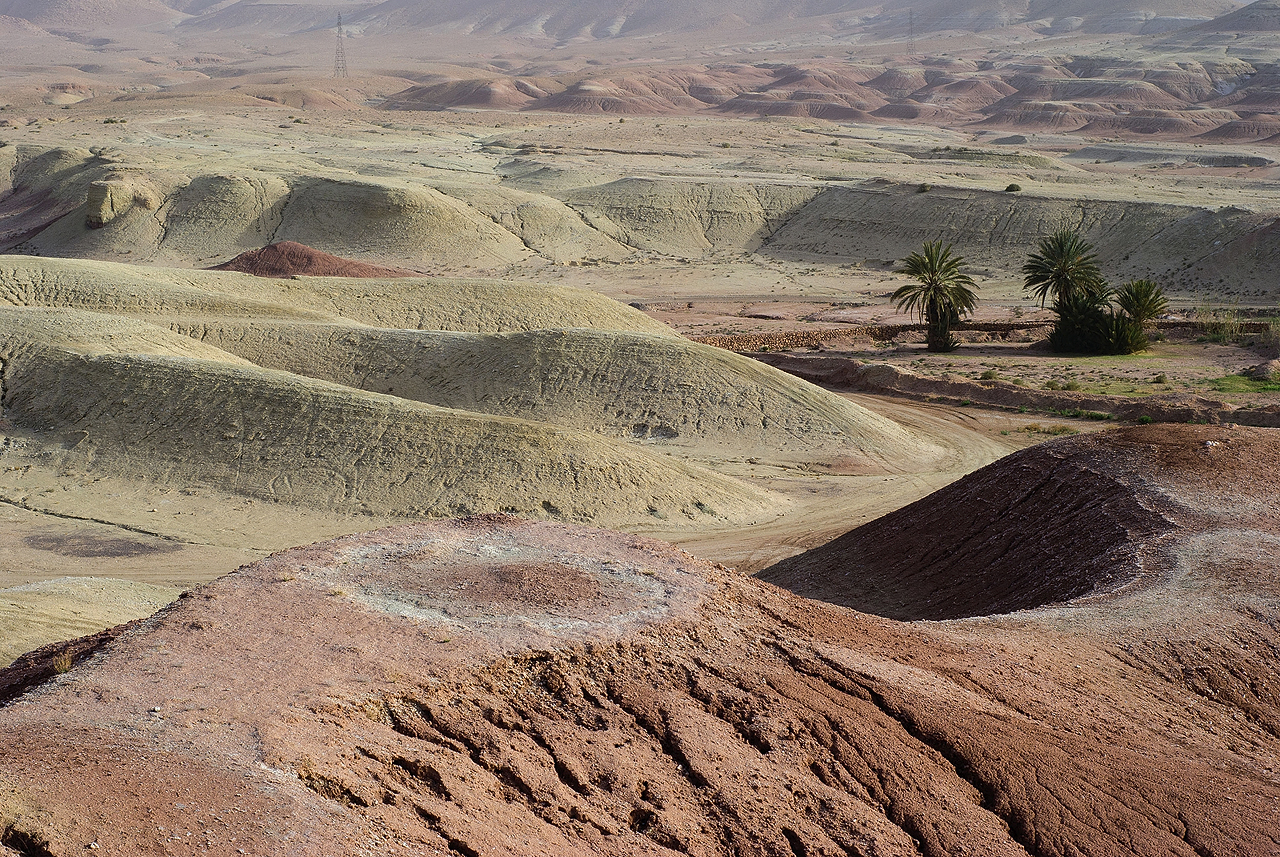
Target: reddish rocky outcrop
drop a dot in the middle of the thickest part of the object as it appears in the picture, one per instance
(289, 258)
(497, 686)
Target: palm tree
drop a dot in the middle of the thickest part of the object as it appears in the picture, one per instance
(1062, 267)
(941, 295)
(1142, 300)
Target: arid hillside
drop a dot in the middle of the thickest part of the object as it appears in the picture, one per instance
(539, 198)
(497, 686)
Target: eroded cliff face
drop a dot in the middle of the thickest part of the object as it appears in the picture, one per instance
(498, 686)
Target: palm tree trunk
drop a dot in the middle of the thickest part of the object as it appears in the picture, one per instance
(938, 336)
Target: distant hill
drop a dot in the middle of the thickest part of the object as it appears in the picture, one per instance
(1260, 17)
(87, 14)
(587, 20)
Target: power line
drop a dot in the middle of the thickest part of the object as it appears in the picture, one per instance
(340, 53)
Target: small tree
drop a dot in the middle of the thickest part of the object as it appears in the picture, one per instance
(942, 294)
(1087, 323)
(1084, 323)
(1062, 266)
(1142, 300)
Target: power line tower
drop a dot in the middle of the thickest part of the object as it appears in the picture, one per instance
(911, 34)
(340, 53)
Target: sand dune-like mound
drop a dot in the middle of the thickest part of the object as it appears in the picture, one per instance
(495, 94)
(491, 686)
(116, 288)
(544, 224)
(417, 303)
(824, 92)
(180, 421)
(1058, 93)
(301, 97)
(289, 258)
(656, 91)
(88, 14)
(602, 95)
(416, 224)
(1047, 525)
(1178, 124)
(98, 204)
(1253, 129)
(1261, 16)
(93, 334)
(659, 390)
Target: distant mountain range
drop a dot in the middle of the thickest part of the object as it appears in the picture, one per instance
(603, 19)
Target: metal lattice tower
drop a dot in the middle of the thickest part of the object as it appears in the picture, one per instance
(911, 35)
(340, 53)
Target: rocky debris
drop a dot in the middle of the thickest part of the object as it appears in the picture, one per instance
(289, 258)
(499, 686)
(1267, 371)
(39, 666)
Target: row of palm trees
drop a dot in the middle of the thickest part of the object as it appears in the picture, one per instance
(1063, 269)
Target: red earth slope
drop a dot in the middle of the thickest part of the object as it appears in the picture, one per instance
(498, 686)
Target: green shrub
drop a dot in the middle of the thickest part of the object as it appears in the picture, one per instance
(1013, 188)
(990, 375)
(1219, 324)
(924, 187)
(1243, 384)
(1083, 325)
(1127, 335)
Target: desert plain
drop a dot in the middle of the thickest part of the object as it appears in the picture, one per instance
(489, 430)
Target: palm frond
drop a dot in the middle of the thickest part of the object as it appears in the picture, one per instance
(1062, 265)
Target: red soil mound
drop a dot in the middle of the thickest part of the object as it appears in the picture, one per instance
(496, 686)
(1045, 525)
(288, 258)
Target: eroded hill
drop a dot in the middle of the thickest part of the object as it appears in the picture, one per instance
(492, 686)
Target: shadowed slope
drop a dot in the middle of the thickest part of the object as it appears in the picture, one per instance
(1045, 525)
